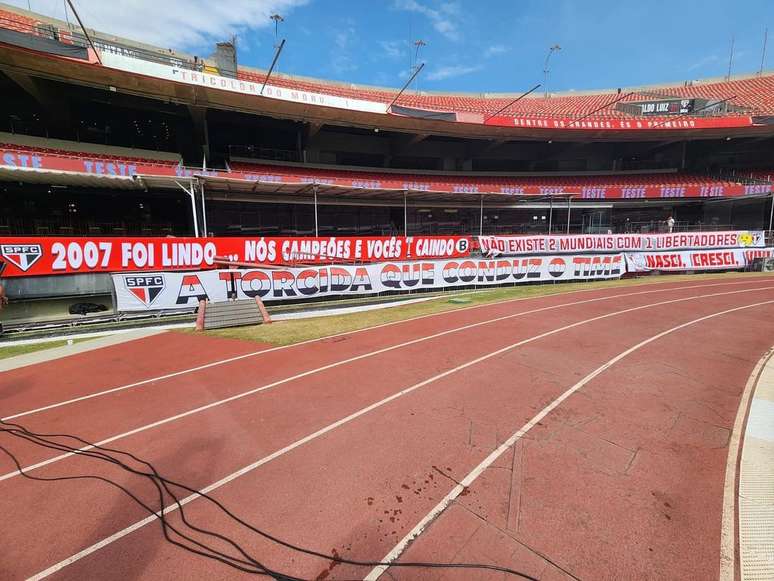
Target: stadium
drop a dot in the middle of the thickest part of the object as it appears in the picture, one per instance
(262, 323)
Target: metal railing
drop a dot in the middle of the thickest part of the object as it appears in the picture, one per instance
(740, 176)
(659, 226)
(257, 152)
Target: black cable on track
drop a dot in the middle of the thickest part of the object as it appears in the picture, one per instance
(246, 562)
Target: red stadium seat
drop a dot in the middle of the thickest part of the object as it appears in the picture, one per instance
(755, 94)
(487, 182)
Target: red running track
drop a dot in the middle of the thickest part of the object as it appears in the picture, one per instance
(623, 479)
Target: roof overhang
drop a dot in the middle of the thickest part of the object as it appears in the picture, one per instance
(223, 188)
(67, 178)
(20, 60)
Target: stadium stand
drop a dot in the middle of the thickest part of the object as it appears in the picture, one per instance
(103, 153)
(73, 148)
(131, 150)
(570, 183)
(752, 95)
(17, 22)
(375, 179)
(755, 94)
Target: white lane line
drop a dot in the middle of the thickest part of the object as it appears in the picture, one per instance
(728, 522)
(335, 364)
(376, 572)
(250, 467)
(273, 349)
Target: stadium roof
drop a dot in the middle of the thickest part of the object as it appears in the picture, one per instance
(39, 46)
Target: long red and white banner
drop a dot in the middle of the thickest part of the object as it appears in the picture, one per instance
(37, 256)
(722, 259)
(255, 87)
(18, 157)
(654, 124)
(180, 290)
(517, 245)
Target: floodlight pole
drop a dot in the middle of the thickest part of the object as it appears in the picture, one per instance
(277, 19)
(419, 44)
(546, 70)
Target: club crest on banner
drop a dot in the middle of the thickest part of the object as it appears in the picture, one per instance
(145, 288)
(747, 239)
(23, 256)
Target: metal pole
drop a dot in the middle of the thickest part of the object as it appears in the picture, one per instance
(273, 64)
(568, 213)
(550, 214)
(546, 69)
(545, 81)
(193, 211)
(204, 210)
(771, 214)
(481, 218)
(193, 205)
(405, 215)
(416, 72)
(83, 28)
(517, 99)
(316, 231)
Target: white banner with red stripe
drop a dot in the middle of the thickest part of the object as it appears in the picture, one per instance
(180, 290)
(517, 245)
(719, 259)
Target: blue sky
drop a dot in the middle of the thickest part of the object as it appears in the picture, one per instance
(472, 45)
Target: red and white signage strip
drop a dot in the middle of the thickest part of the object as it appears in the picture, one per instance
(722, 259)
(17, 157)
(517, 245)
(591, 124)
(516, 187)
(255, 88)
(180, 290)
(37, 256)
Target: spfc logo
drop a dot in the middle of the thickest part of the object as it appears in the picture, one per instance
(145, 288)
(751, 238)
(22, 256)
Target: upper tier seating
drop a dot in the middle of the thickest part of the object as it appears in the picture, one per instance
(86, 155)
(17, 22)
(756, 95)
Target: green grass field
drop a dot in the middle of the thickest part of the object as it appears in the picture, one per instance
(7, 351)
(294, 331)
